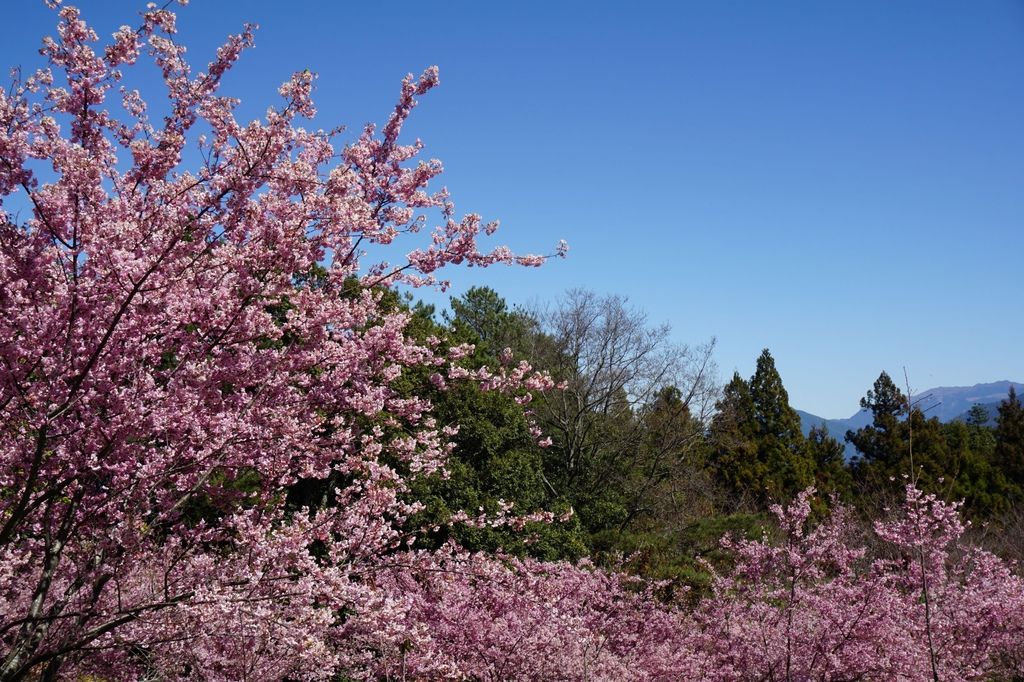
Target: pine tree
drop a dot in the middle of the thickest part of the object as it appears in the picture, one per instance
(881, 442)
(832, 477)
(949, 460)
(978, 415)
(482, 317)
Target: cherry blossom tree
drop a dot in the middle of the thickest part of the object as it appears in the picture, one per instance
(816, 606)
(169, 365)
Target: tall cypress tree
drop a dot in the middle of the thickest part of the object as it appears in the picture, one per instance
(758, 450)
(772, 412)
(780, 443)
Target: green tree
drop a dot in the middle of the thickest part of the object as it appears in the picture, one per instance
(668, 484)
(1009, 437)
(978, 415)
(781, 445)
(828, 455)
(495, 459)
(758, 452)
(482, 316)
(881, 444)
(772, 413)
(951, 460)
(733, 443)
(971, 473)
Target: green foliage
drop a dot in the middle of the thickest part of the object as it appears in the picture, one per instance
(953, 460)
(483, 318)
(978, 415)
(683, 555)
(651, 483)
(495, 458)
(758, 451)
(628, 454)
(831, 475)
(733, 441)
(774, 418)
(881, 445)
(1009, 437)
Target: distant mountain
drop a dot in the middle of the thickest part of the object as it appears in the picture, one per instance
(992, 409)
(836, 428)
(948, 403)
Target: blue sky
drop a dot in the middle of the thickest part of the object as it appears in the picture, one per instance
(841, 182)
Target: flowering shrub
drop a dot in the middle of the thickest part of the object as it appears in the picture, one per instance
(496, 618)
(816, 607)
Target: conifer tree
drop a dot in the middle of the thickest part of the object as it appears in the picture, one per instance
(732, 437)
(483, 317)
(828, 455)
(978, 415)
(945, 459)
(780, 444)
(880, 442)
(1009, 451)
(758, 450)
(772, 413)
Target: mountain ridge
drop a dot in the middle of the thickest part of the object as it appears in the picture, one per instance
(948, 403)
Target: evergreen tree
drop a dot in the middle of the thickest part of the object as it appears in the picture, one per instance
(951, 460)
(758, 450)
(1009, 435)
(495, 459)
(781, 445)
(880, 443)
(982, 437)
(772, 413)
(978, 415)
(481, 316)
(975, 479)
(732, 441)
(832, 477)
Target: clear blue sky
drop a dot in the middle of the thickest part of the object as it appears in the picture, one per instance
(842, 182)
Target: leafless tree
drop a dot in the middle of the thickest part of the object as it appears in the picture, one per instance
(633, 404)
